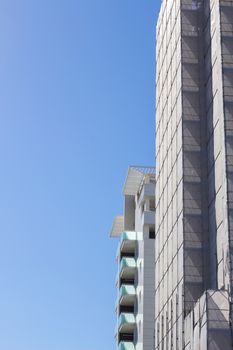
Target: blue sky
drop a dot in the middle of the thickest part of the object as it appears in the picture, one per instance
(77, 88)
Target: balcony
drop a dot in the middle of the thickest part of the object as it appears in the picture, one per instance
(128, 236)
(148, 218)
(127, 295)
(148, 191)
(128, 242)
(126, 322)
(125, 345)
(120, 281)
(127, 268)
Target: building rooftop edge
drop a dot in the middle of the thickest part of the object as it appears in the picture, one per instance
(134, 178)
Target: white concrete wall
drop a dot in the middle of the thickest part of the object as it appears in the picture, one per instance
(146, 279)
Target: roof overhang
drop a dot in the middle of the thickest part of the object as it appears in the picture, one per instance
(118, 226)
(135, 177)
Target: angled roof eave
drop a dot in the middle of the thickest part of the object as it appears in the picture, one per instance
(135, 177)
(118, 226)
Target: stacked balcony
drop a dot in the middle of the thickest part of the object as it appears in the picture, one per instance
(126, 322)
(127, 267)
(126, 346)
(127, 292)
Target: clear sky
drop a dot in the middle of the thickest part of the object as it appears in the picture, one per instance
(77, 88)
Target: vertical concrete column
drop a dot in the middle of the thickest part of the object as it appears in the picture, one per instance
(195, 218)
(226, 32)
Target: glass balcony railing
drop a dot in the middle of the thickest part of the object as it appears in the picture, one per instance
(126, 321)
(127, 263)
(128, 236)
(127, 293)
(126, 296)
(124, 345)
(128, 243)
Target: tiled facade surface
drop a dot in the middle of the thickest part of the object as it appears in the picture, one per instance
(207, 325)
(194, 172)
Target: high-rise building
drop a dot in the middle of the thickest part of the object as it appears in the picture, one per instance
(194, 175)
(135, 256)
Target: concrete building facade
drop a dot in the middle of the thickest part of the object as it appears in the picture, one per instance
(194, 175)
(135, 257)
